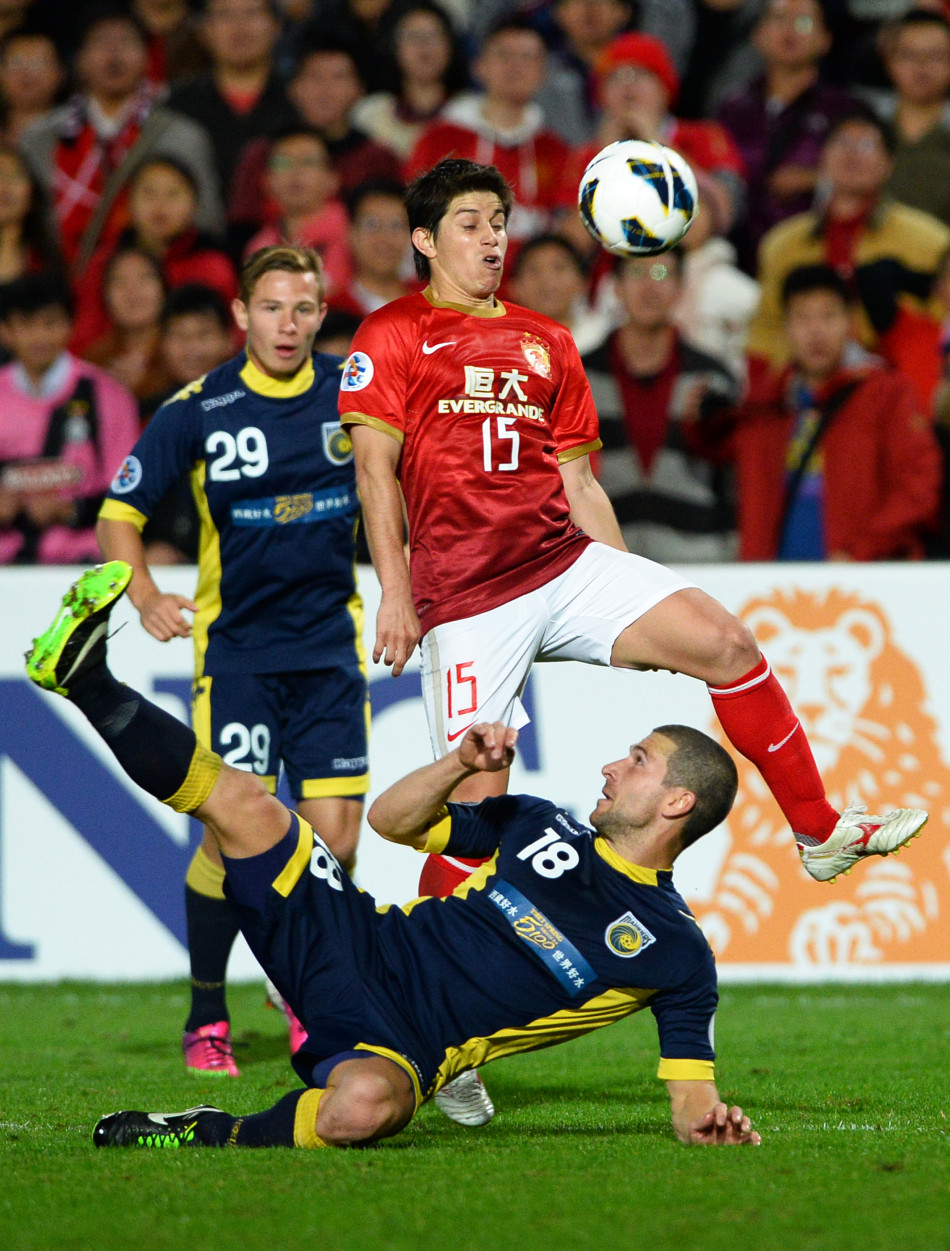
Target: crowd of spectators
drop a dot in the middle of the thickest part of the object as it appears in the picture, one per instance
(775, 388)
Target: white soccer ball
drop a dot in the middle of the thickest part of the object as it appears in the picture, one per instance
(637, 198)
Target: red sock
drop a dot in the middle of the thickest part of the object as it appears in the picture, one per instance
(440, 874)
(759, 722)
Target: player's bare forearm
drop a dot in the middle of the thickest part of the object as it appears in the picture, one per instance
(404, 812)
(159, 611)
(701, 1118)
(397, 626)
(591, 510)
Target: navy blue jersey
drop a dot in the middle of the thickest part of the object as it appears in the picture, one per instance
(555, 936)
(273, 478)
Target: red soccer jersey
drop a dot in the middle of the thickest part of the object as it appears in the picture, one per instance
(486, 409)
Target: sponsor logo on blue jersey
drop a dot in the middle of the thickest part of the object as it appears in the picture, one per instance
(221, 401)
(531, 925)
(627, 937)
(283, 510)
(337, 444)
(128, 477)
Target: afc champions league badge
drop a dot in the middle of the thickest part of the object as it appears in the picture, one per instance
(128, 477)
(357, 372)
(627, 936)
(537, 355)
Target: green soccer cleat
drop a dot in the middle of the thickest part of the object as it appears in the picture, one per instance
(76, 641)
(151, 1129)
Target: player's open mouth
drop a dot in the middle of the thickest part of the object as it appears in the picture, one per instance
(493, 261)
(285, 349)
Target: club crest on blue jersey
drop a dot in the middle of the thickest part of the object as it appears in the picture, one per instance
(128, 477)
(357, 372)
(337, 445)
(627, 937)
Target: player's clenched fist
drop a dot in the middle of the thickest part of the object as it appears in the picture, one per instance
(488, 747)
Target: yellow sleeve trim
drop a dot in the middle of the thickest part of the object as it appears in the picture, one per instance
(204, 876)
(575, 453)
(686, 1070)
(375, 423)
(305, 1120)
(295, 867)
(437, 838)
(115, 510)
(334, 788)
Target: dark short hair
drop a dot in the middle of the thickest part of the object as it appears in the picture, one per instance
(702, 766)
(862, 115)
(907, 21)
(314, 43)
(32, 293)
(353, 199)
(549, 240)
(195, 300)
(429, 197)
(272, 6)
(109, 11)
(805, 279)
(511, 25)
(298, 130)
(170, 162)
(128, 246)
(676, 252)
(337, 322)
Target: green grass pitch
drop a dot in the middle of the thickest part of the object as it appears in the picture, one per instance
(849, 1086)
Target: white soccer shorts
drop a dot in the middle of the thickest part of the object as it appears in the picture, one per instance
(475, 668)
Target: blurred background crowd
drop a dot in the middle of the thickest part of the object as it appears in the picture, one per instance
(776, 388)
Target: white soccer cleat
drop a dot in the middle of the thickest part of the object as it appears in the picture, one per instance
(857, 836)
(465, 1100)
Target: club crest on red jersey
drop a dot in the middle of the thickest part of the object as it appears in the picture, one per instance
(537, 355)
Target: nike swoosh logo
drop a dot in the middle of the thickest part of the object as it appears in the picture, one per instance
(428, 348)
(776, 746)
(459, 733)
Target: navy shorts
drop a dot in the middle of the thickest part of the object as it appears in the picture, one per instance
(323, 944)
(315, 721)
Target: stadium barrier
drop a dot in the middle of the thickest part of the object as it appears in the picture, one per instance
(91, 870)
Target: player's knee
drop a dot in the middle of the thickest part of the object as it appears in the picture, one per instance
(737, 650)
(242, 814)
(369, 1107)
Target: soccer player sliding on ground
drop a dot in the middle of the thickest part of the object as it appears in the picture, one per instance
(566, 929)
(478, 414)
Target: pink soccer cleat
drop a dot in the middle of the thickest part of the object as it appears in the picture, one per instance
(208, 1051)
(297, 1035)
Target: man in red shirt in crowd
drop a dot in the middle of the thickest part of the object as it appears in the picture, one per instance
(481, 413)
(806, 433)
(504, 127)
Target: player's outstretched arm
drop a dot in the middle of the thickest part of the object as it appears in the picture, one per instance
(404, 812)
(700, 1118)
(397, 626)
(160, 612)
(591, 510)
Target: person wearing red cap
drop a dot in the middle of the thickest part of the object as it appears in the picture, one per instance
(638, 85)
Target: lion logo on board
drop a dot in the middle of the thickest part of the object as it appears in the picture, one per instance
(537, 355)
(862, 702)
